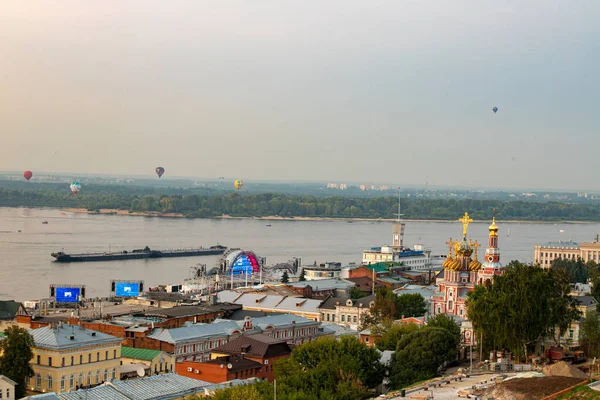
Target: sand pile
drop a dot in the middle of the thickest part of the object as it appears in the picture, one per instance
(529, 388)
(563, 369)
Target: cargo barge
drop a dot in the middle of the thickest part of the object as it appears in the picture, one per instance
(137, 254)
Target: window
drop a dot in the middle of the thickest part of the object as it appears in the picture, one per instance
(39, 359)
(355, 319)
(72, 360)
(72, 381)
(343, 318)
(49, 382)
(106, 374)
(98, 356)
(62, 382)
(571, 334)
(114, 353)
(90, 357)
(81, 359)
(114, 372)
(49, 361)
(98, 376)
(333, 318)
(62, 364)
(367, 339)
(106, 355)
(89, 377)
(38, 381)
(327, 317)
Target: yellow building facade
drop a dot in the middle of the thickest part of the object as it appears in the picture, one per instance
(66, 358)
(159, 362)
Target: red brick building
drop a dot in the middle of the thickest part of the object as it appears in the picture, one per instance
(221, 369)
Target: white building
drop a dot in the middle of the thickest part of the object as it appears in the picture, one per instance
(7, 388)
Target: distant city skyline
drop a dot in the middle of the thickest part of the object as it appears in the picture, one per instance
(335, 91)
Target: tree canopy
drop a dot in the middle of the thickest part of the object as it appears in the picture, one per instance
(204, 203)
(391, 334)
(285, 277)
(389, 306)
(576, 270)
(447, 323)
(16, 357)
(524, 304)
(328, 368)
(420, 354)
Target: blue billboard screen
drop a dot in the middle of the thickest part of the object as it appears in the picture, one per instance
(127, 289)
(67, 295)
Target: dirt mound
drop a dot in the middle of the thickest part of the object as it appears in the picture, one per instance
(564, 369)
(530, 388)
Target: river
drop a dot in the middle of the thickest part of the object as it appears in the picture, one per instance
(27, 270)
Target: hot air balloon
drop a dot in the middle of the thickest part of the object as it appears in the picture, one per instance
(238, 185)
(495, 110)
(160, 171)
(27, 174)
(75, 187)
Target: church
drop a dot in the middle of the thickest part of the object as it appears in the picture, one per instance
(462, 271)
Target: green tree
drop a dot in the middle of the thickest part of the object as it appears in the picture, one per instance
(391, 334)
(302, 278)
(16, 357)
(410, 305)
(285, 278)
(256, 391)
(576, 269)
(524, 304)
(420, 354)
(590, 334)
(356, 293)
(389, 306)
(328, 368)
(447, 323)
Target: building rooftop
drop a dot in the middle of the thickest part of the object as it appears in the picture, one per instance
(338, 330)
(586, 300)
(7, 380)
(195, 332)
(239, 315)
(566, 244)
(139, 354)
(397, 279)
(9, 309)
(133, 367)
(323, 284)
(270, 302)
(378, 267)
(165, 386)
(238, 363)
(189, 311)
(425, 291)
(255, 345)
(70, 337)
(332, 302)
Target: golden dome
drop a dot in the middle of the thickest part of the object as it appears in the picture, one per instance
(455, 265)
(493, 228)
(475, 265)
(447, 261)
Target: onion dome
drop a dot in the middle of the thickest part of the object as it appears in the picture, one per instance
(493, 228)
(475, 265)
(465, 248)
(447, 261)
(455, 265)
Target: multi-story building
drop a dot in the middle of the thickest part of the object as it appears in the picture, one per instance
(329, 270)
(195, 342)
(158, 362)
(221, 369)
(345, 311)
(69, 357)
(569, 250)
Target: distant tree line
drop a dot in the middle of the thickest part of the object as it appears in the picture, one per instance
(197, 203)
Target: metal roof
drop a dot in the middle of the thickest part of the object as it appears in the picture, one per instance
(103, 392)
(8, 380)
(9, 309)
(270, 302)
(139, 354)
(165, 386)
(44, 396)
(195, 332)
(323, 284)
(69, 337)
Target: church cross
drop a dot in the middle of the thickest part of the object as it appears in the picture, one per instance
(466, 220)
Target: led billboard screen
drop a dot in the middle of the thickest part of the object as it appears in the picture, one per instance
(67, 294)
(127, 289)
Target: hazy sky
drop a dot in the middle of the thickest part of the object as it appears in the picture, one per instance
(395, 91)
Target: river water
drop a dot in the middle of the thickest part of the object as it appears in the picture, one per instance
(27, 269)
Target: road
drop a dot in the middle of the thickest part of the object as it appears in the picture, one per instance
(450, 391)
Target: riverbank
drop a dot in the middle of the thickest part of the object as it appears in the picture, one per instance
(156, 214)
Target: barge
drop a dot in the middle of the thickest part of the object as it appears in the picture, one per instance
(137, 254)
